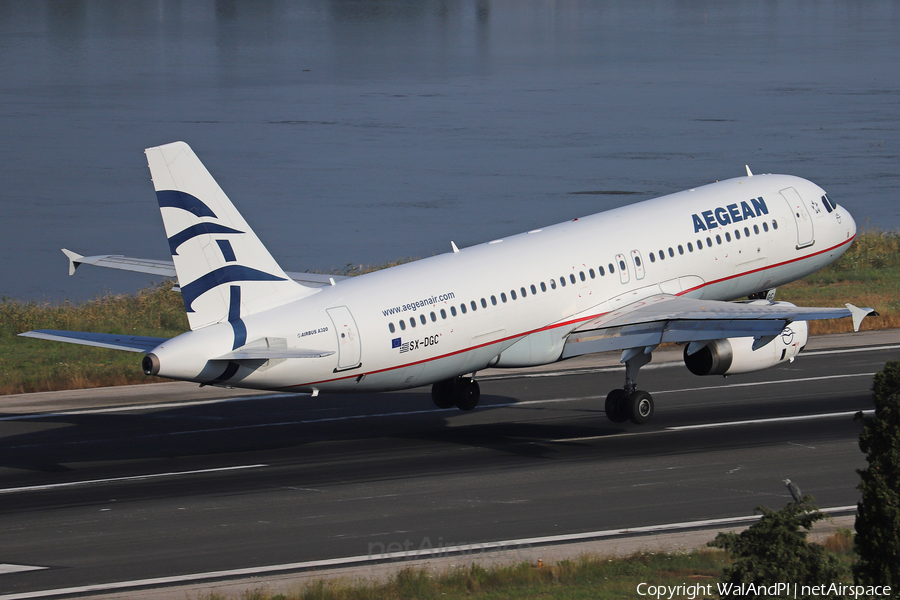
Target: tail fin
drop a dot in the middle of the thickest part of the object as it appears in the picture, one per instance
(224, 271)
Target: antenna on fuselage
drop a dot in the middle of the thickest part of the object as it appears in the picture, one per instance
(749, 174)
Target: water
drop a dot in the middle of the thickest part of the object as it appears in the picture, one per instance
(364, 131)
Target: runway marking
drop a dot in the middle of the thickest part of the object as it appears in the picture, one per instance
(702, 426)
(422, 411)
(6, 569)
(140, 407)
(773, 420)
(672, 363)
(464, 549)
(849, 350)
(50, 486)
(483, 407)
(758, 383)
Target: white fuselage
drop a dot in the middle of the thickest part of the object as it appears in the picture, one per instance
(721, 241)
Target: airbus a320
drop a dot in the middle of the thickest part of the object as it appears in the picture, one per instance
(592, 284)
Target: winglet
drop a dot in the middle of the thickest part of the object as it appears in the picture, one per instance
(74, 260)
(749, 174)
(858, 314)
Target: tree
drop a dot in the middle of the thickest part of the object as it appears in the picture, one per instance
(775, 550)
(878, 512)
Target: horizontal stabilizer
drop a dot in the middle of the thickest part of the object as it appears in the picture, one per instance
(130, 343)
(271, 348)
(273, 353)
(166, 268)
(123, 263)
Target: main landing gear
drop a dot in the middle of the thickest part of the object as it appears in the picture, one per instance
(629, 403)
(461, 392)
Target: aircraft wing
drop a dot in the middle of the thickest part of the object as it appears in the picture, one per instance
(166, 268)
(665, 318)
(130, 343)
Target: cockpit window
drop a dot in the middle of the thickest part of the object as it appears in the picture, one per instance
(829, 205)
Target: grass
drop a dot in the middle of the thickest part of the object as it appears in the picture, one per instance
(588, 577)
(28, 365)
(868, 274)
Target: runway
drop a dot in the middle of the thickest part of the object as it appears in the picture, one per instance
(169, 488)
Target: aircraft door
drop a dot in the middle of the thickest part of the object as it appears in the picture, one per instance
(801, 217)
(638, 264)
(623, 268)
(349, 348)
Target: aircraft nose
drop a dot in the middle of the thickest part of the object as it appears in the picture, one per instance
(851, 224)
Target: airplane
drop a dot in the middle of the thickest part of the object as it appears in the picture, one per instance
(629, 279)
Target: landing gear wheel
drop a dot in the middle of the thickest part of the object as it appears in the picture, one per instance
(615, 406)
(640, 407)
(466, 393)
(442, 394)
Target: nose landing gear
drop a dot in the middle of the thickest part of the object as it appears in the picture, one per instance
(629, 403)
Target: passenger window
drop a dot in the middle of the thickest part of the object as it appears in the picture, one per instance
(571, 277)
(543, 287)
(690, 248)
(474, 306)
(727, 237)
(503, 297)
(591, 273)
(708, 243)
(524, 294)
(562, 281)
(533, 289)
(652, 257)
(755, 230)
(612, 269)
(512, 294)
(680, 249)
(494, 300)
(443, 314)
(719, 239)
(774, 224)
(765, 227)
(391, 327)
(422, 319)
(412, 321)
(402, 325)
(621, 265)
(462, 307)
(747, 231)
(483, 303)
(637, 260)
(737, 234)
(602, 272)
(581, 274)
(671, 253)
(433, 317)
(452, 311)
(552, 284)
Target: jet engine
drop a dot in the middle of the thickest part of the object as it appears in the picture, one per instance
(736, 355)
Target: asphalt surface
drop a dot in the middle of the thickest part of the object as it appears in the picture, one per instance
(110, 491)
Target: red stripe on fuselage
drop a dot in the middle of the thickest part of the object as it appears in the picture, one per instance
(564, 324)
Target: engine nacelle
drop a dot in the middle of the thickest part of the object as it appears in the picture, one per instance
(736, 355)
